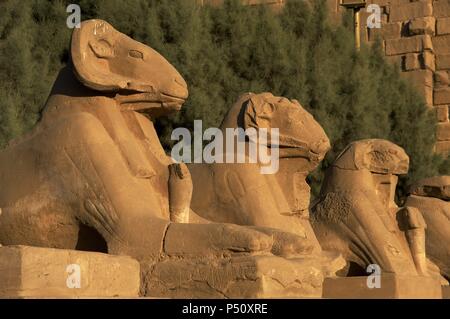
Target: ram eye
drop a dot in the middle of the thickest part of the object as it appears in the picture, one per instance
(136, 54)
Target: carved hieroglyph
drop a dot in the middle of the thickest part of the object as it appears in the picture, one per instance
(432, 197)
(93, 175)
(356, 213)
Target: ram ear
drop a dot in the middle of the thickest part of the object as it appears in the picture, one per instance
(92, 48)
(258, 112)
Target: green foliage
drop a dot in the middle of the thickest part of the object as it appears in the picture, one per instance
(32, 46)
(223, 52)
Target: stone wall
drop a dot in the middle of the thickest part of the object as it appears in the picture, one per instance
(416, 36)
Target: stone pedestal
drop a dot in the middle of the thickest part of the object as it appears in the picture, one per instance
(31, 272)
(236, 277)
(445, 292)
(392, 287)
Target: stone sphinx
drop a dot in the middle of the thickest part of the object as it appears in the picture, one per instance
(356, 213)
(240, 194)
(93, 176)
(431, 197)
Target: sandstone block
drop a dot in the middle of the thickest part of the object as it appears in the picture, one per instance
(441, 44)
(422, 80)
(443, 62)
(442, 96)
(443, 132)
(391, 2)
(416, 61)
(442, 148)
(387, 31)
(419, 77)
(408, 45)
(396, 59)
(441, 8)
(442, 113)
(428, 60)
(411, 62)
(392, 286)
(445, 292)
(381, 3)
(441, 79)
(403, 12)
(443, 26)
(425, 25)
(44, 272)
(237, 277)
(427, 93)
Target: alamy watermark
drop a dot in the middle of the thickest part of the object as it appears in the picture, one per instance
(74, 19)
(73, 280)
(374, 279)
(374, 20)
(236, 146)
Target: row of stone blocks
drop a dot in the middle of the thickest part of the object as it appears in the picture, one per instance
(416, 36)
(31, 272)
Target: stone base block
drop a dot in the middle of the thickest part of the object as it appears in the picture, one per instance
(237, 277)
(31, 272)
(392, 287)
(445, 292)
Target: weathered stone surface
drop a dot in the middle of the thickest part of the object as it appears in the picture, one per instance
(43, 272)
(419, 78)
(445, 292)
(411, 62)
(427, 60)
(411, 10)
(423, 81)
(442, 148)
(388, 3)
(416, 61)
(443, 26)
(442, 113)
(356, 205)
(441, 79)
(427, 93)
(425, 25)
(441, 8)
(441, 44)
(431, 196)
(279, 200)
(443, 62)
(435, 187)
(417, 44)
(240, 277)
(398, 60)
(442, 96)
(392, 286)
(387, 31)
(443, 132)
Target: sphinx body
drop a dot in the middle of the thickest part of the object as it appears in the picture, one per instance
(238, 193)
(431, 197)
(356, 213)
(82, 175)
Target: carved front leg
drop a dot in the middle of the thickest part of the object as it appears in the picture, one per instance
(180, 192)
